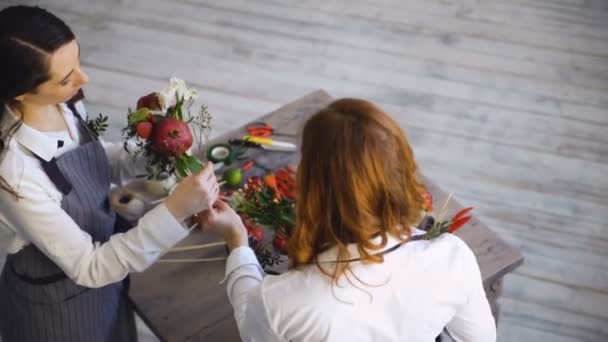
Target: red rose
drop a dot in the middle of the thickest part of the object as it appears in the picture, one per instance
(149, 101)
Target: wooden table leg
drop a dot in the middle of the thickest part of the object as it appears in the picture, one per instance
(493, 293)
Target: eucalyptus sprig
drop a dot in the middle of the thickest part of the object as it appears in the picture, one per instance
(98, 125)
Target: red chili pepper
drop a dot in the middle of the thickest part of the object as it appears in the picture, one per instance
(286, 184)
(461, 213)
(457, 224)
(248, 165)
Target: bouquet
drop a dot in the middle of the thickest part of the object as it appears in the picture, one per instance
(268, 201)
(163, 129)
(435, 225)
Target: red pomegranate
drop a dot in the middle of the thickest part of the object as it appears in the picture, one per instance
(171, 137)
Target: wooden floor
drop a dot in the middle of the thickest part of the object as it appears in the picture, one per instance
(505, 103)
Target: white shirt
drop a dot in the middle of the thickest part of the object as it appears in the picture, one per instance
(419, 289)
(38, 218)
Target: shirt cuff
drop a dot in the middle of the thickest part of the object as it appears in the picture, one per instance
(164, 227)
(239, 257)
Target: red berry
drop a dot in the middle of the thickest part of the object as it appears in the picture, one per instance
(144, 129)
(256, 233)
(279, 242)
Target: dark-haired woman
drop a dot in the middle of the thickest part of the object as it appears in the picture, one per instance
(67, 255)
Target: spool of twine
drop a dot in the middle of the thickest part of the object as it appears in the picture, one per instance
(127, 204)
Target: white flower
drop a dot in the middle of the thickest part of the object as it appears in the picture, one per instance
(167, 96)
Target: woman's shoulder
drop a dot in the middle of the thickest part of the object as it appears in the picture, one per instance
(294, 277)
(445, 254)
(446, 257)
(447, 244)
(296, 299)
(14, 161)
(21, 170)
(305, 279)
(447, 248)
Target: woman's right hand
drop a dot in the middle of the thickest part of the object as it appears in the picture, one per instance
(194, 194)
(223, 220)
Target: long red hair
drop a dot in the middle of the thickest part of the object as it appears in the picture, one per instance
(356, 181)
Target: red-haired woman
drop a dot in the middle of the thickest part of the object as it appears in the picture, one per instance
(357, 273)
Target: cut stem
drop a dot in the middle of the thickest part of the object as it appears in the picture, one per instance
(194, 247)
(444, 208)
(191, 260)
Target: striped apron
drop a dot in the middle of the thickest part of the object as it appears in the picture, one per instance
(38, 302)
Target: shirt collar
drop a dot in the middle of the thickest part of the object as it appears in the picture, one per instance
(37, 142)
(331, 254)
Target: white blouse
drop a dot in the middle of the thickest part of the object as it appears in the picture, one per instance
(38, 218)
(421, 288)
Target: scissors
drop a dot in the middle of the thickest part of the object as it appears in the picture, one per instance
(263, 143)
(262, 130)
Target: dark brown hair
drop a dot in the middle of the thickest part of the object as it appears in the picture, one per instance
(28, 36)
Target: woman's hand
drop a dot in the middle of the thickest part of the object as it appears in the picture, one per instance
(194, 193)
(223, 220)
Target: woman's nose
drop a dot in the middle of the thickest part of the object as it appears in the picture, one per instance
(83, 77)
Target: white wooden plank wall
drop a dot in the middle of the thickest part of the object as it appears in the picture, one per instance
(505, 103)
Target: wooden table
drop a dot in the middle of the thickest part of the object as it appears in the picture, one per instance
(186, 302)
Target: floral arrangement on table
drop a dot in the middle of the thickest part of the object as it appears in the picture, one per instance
(268, 201)
(163, 128)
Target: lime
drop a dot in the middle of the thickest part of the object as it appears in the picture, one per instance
(232, 176)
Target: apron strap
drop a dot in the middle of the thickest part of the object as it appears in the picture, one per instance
(386, 251)
(52, 170)
(39, 281)
(85, 126)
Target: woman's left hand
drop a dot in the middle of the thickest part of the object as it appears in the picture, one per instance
(223, 220)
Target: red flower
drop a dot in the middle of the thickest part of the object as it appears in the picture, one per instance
(428, 201)
(149, 101)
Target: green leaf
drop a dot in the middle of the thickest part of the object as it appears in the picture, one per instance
(142, 114)
(194, 164)
(187, 164)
